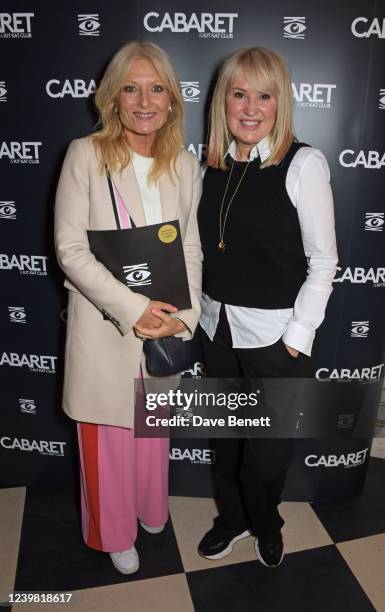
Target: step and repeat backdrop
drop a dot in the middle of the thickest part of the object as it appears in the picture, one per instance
(51, 61)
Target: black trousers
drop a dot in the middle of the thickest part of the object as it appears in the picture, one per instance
(250, 472)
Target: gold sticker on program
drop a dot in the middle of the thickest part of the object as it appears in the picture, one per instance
(167, 233)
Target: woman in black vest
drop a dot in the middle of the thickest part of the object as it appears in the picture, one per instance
(267, 230)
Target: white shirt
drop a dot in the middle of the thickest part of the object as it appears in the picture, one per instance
(308, 187)
(150, 194)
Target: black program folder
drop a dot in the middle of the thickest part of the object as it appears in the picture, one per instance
(149, 260)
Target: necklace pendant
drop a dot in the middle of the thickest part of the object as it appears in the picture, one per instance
(221, 246)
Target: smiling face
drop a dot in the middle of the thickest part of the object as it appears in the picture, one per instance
(143, 105)
(250, 113)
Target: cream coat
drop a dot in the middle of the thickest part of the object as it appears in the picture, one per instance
(102, 357)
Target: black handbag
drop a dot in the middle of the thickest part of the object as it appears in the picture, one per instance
(169, 355)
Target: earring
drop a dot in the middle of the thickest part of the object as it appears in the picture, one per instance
(170, 108)
(116, 110)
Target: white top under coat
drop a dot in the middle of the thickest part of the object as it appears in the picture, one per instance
(308, 187)
(150, 194)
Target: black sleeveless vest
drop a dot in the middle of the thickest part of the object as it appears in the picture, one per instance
(264, 263)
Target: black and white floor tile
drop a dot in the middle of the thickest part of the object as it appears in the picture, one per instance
(335, 558)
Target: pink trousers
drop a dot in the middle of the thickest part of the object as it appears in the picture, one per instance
(123, 479)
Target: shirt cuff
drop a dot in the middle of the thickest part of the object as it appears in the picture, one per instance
(299, 337)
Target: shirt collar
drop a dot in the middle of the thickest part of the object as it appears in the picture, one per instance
(261, 149)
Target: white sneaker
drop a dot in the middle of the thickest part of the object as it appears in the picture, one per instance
(152, 529)
(126, 562)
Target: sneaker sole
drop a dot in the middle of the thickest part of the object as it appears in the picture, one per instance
(229, 548)
(153, 530)
(123, 570)
(259, 557)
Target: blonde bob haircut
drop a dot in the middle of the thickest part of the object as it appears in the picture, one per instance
(267, 72)
(110, 140)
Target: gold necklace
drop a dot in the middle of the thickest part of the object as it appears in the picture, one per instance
(222, 224)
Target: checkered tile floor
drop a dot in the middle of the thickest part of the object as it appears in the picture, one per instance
(335, 558)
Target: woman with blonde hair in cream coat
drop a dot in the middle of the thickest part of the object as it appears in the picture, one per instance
(140, 139)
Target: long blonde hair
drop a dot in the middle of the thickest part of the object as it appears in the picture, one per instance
(268, 71)
(109, 140)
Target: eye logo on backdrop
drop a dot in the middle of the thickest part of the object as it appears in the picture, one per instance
(207, 25)
(360, 29)
(17, 314)
(89, 25)
(190, 91)
(359, 329)
(382, 99)
(374, 222)
(346, 421)
(27, 406)
(15, 25)
(294, 27)
(313, 95)
(7, 209)
(3, 92)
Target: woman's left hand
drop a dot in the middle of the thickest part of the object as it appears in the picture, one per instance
(169, 327)
(293, 352)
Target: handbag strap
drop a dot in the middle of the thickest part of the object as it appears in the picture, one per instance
(113, 201)
(116, 212)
